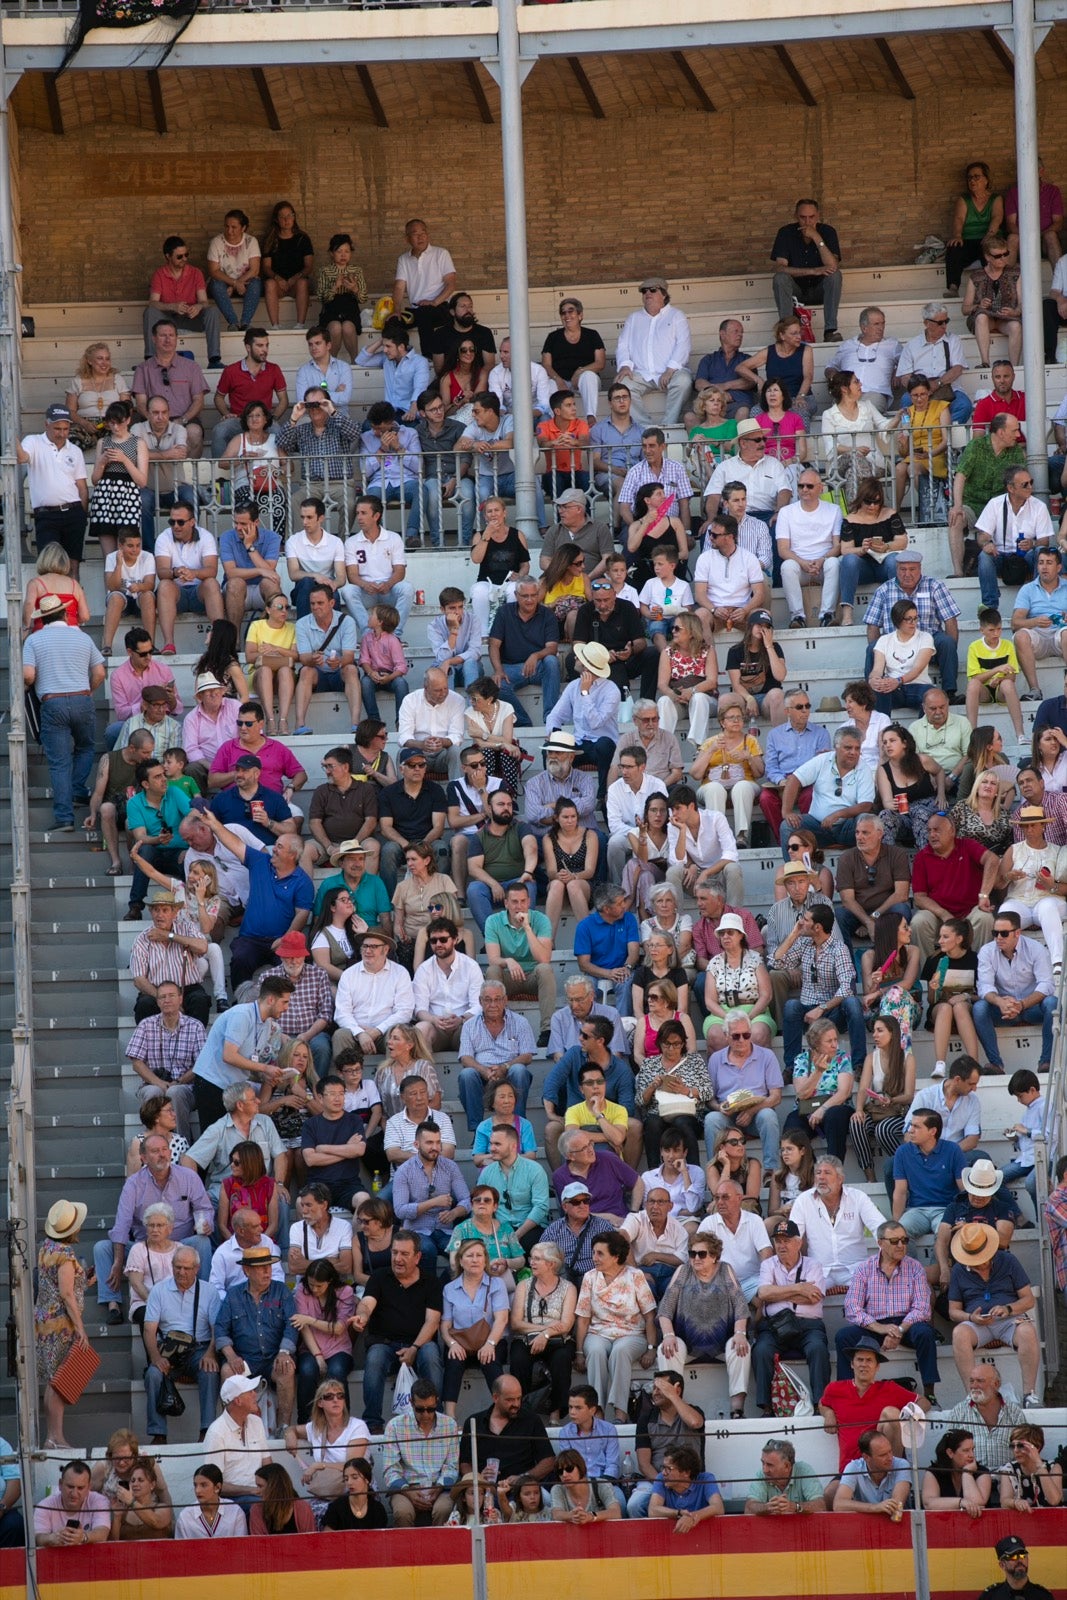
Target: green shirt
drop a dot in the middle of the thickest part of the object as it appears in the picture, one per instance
(803, 1487)
(513, 943)
(948, 745)
(370, 896)
(984, 471)
(188, 786)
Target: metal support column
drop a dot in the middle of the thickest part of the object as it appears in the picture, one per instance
(21, 1187)
(510, 74)
(1024, 50)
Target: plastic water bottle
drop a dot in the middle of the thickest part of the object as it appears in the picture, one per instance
(629, 1471)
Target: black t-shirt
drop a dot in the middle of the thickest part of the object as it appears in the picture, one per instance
(615, 631)
(657, 1436)
(412, 815)
(854, 533)
(339, 1518)
(501, 558)
(567, 357)
(643, 976)
(755, 678)
(400, 1312)
(321, 1130)
(288, 256)
(449, 338)
(519, 639)
(523, 1444)
(1004, 1591)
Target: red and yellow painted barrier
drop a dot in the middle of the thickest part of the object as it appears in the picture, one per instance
(823, 1557)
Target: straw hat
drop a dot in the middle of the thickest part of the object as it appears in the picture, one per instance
(982, 1179)
(595, 658)
(65, 1219)
(974, 1244)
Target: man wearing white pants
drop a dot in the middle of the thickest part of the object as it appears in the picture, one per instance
(626, 799)
(653, 353)
(1037, 896)
(809, 546)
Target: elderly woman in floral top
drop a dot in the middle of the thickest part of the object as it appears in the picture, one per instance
(822, 1079)
(616, 1324)
(676, 1070)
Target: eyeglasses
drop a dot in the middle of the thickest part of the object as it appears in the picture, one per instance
(738, 1036)
(939, 322)
(423, 1411)
(699, 1255)
(801, 705)
(1003, 933)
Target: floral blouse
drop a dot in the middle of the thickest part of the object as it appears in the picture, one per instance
(616, 1309)
(826, 1087)
(736, 986)
(995, 836)
(693, 1071)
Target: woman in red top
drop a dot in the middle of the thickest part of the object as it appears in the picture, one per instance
(248, 1184)
(463, 379)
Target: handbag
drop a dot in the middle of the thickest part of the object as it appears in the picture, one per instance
(474, 1337)
(669, 1104)
(944, 391)
(790, 1395)
(170, 1402)
(786, 1326)
(175, 1345)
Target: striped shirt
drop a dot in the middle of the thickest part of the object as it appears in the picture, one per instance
(874, 1297)
(516, 1039)
(310, 1002)
(166, 962)
(168, 1052)
(411, 1459)
(672, 475)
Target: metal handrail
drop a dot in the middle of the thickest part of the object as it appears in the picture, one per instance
(1049, 1145)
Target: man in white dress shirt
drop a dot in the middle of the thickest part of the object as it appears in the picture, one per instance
(1014, 523)
(447, 987)
(431, 720)
(698, 842)
(374, 994)
(938, 355)
(626, 799)
(871, 356)
(500, 384)
(834, 1217)
(653, 353)
(766, 482)
(809, 547)
(745, 1241)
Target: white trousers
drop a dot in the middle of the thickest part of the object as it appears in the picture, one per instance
(1048, 915)
(738, 1368)
(589, 389)
(793, 580)
(713, 797)
(481, 598)
(700, 710)
(678, 392)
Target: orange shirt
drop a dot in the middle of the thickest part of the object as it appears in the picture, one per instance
(565, 460)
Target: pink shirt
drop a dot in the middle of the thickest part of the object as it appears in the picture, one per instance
(51, 1516)
(201, 737)
(782, 436)
(180, 291)
(125, 685)
(382, 651)
(278, 761)
(330, 1344)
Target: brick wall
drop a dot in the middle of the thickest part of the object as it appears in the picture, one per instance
(670, 188)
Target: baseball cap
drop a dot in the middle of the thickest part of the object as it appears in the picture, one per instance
(247, 761)
(1010, 1545)
(58, 413)
(785, 1230)
(575, 1191)
(760, 616)
(241, 1383)
(571, 497)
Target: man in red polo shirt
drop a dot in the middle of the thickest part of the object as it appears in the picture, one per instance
(849, 1406)
(951, 877)
(179, 293)
(254, 378)
(1005, 398)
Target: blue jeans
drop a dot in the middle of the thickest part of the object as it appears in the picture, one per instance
(849, 923)
(465, 675)
(987, 1019)
(321, 1053)
(381, 1362)
(431, 496)
(946, 653)
(547, 676)
(989, 568)
(766, 1121)
(301, 595)
(482, 905)
(207, 1384)
(1015, 1169)
(308, 1377)
(909, 694)
(961, 407)
(401, 595)
(68, 736)
(104, 1260)
(220, 293)
(842, 833)
(848, 1013)
(472, 1091)
(812, 1346)
(856, 568)
(504, 485)
(404, 494)
(835, 1124)
(398, 688)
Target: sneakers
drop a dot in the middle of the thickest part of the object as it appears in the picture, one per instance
(797, 622)
(832, 336)
(1031, 1399)
(939, 1070)
(1030, 694)
(222, 1003)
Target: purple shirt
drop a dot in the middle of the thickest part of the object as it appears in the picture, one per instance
(760, 1073)
(608, 1178)
(183, 1192)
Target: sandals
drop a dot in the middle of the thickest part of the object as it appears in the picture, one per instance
(114, 871)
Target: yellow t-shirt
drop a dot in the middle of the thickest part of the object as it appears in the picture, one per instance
(283, 638)
(575, 589)
(580, 1116)
(982, 657)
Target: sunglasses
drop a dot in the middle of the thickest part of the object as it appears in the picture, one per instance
(584, 1201)
(1003, 933)
(939, 322)
(165, 375)
(699, 1255)
(441, 938)
(740, 1142)
(599, 587)
(738, 1036)
(423, 1411)
(801, 705)
(246, 722)
(144, 655)
(180, 522)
